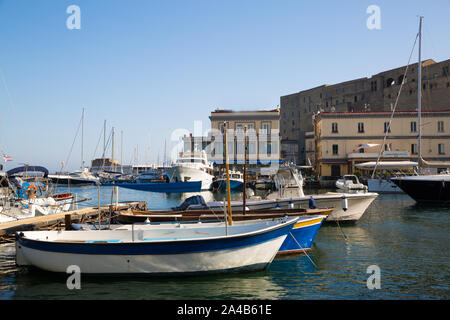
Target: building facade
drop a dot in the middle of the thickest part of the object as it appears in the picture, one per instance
(343, 139)
(377, 93)
(263, 137)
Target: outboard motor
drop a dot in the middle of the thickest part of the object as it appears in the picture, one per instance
(198, 201)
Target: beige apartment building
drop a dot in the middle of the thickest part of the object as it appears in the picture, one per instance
(263, 132)
(343, 139)
(376, 93)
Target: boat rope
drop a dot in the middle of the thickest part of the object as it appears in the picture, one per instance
(304, 251)
(394, 107)
(342, 231)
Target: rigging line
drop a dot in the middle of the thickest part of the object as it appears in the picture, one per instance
(7, 90)
(99, 138)
(71, 148)
(395, 106)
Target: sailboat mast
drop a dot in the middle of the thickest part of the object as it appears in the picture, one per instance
(112, 150)
(121, 151)
(419, 96)
(82, 139)
(104, 139)
(230, 221)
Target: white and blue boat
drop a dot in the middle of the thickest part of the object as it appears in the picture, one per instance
(158, 250)
(170, 187)
(236, 181)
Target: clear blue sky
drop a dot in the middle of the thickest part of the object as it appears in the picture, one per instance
(150, 67)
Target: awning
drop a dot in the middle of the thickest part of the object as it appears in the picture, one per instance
(387, 164)
(367, 145)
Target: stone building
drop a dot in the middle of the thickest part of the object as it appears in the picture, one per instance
(377, 93)
(343, 139)
(262, 127)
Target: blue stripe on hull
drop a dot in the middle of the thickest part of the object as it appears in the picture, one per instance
(152, 248)
(234, 184)
(304, 236)
(172, 187)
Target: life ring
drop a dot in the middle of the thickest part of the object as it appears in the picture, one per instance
(30, 193)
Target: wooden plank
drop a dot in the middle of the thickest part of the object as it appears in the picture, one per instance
(75, 215)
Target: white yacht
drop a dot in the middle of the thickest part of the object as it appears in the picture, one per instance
(289, 194)
(350, 182)
(82, 177)
(192, 166)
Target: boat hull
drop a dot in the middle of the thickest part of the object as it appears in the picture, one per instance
(171, 187)
(383, 186)
(302, 236)
(72, 181)
(435, 191)
(158, 258)
(234, 184)
(357, 204)
(186, 174)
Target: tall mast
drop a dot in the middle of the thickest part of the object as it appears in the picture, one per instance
(112, 150)
(121, 151)
(104, 139)
(419, 96)
(230, 221)
(82, 139)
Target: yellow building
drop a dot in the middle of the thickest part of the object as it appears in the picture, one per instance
(343, 139)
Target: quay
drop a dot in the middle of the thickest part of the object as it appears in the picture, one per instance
(53, 220)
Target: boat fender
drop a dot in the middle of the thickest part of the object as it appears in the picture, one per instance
(344, 203)
(312, 203)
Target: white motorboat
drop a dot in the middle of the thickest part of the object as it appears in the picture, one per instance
(190, 167)
(350, 182)
(289, 194)
(236, 181)
(166, 249)
(381, 180)
(148, 176)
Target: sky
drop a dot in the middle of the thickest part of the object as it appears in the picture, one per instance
(153, 69)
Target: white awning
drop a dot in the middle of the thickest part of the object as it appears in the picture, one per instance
(367, 145)
(387, 164)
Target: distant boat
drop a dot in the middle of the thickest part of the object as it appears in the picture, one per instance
(383, 182)
(236, 181)
(171, 187)
(156, 250)
(192, 166)
(350, 182)
(82, 177)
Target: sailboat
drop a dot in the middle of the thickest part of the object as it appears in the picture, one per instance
(428, 189)
(79, 177)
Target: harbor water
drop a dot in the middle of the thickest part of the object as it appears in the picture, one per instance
(408, 243)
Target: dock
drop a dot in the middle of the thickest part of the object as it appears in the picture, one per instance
(54, 220)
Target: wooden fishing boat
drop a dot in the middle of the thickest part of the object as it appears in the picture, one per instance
(169, 249)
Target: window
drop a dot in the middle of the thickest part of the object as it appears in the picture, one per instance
(441, 148)
(356, 99)
(361, 127)
(413, 126)
(373, 85)
(250, 126)
(440, 126)
(386, 126)
(265, 128)
(445, 71)
(362, 85)
(337, 101)
(335, 149)
(413, 148)
(334, 127)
